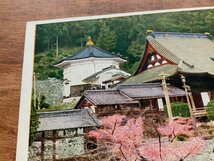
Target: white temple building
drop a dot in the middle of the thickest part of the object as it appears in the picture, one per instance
(90, 68)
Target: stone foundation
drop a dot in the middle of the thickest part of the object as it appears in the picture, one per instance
(51, 145)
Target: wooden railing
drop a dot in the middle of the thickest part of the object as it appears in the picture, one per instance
(199, 112)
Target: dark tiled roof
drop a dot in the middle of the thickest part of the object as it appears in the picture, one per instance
(107, 97)
(127, 93)
(90, 51)
(148, 90)
(66, 119)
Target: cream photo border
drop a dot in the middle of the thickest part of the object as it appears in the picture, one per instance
(27, 70)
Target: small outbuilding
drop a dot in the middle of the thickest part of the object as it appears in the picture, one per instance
(128, 98)
(60, 134)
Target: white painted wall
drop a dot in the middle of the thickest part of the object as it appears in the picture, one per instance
(160, 104)
(77, 70)
(205, 98)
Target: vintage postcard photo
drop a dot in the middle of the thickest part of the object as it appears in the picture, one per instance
(135, 87)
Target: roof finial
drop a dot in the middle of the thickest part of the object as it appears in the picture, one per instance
(149, 31)
(207, 33)
(89, 42)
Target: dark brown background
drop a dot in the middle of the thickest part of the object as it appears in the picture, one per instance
(13, 17)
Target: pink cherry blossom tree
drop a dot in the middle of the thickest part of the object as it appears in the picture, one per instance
(123, 137)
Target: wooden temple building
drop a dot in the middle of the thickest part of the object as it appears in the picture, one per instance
(128, 99)
(188, 55)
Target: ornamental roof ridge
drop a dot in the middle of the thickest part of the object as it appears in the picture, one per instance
(182, 34)
(88, 52)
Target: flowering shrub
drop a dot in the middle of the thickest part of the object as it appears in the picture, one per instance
(181, 126)
(124, 135)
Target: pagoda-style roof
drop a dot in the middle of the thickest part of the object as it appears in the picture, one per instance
(188, 53)
(90, 51)
(67, 119)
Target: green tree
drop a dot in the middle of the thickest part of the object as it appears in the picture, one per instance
(34, 121)
(210, 110)
(106, 39)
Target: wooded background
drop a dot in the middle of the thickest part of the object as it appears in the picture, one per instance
(13, 17)
(122, 36)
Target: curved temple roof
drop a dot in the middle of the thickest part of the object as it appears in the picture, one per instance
(90, 51)
(191, 53)
(192, 50)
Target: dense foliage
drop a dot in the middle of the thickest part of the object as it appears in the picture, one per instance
(178, 109)
(61, 106)
(124, 36)
(210, 110)
(34, 121)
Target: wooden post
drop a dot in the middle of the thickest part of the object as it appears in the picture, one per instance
(191, 99)
(34, 90)
(54, 146)
(43, 146)
(166, 94)
(57, 47)
(187, 94)
(39, 100)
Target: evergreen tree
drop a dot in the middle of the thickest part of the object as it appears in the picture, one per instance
(106, 39)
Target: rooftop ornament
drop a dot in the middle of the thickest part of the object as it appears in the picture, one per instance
(149, 31)
(89, 42)
(207, 33)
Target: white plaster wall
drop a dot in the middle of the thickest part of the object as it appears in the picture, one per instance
(81, 69)
(66, 90)
(205, 98)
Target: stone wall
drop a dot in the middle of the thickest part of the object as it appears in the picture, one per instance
(52, 89)
(61, 144)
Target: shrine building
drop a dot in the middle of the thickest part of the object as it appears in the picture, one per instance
(190, 55)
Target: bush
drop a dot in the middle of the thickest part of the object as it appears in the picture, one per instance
(34, 122)
(61, 106)
(178, 109)
(210, 110)
(182, 137)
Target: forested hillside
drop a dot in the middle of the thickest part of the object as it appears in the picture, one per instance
(124, 36)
